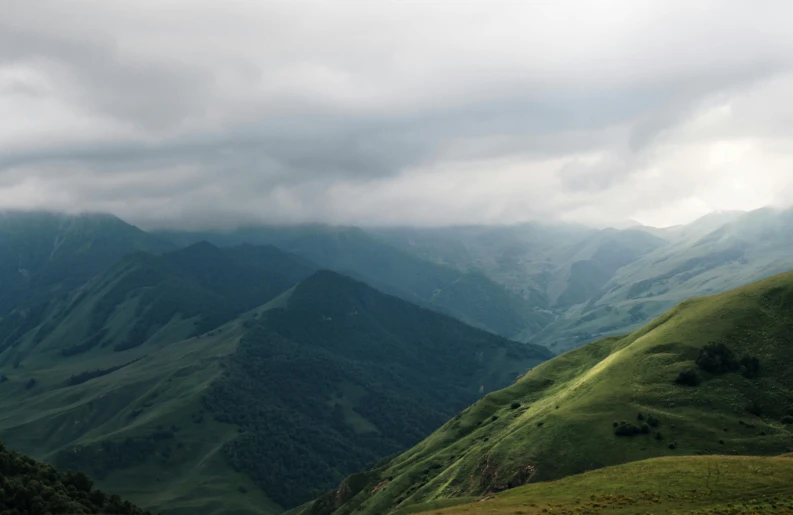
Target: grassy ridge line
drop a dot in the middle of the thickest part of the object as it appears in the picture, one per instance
(692, 484)
(557, 420)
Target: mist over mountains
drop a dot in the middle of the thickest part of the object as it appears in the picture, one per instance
(251, 370)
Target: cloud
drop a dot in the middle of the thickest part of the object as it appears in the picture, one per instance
(198, 113)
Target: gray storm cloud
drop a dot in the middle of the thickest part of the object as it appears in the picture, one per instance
(198, 113)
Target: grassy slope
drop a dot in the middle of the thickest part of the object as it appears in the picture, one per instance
(185, 289)
(691, 484)
(45, 253)
(166, 386)
(564, 423)
(188, 472)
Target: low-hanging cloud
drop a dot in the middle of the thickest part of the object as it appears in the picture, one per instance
(198, 113)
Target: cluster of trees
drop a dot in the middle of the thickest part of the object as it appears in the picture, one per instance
(717, 359)
(85, 345)
(28, 487)
(82, 377)
(295, 443)
(644, 426)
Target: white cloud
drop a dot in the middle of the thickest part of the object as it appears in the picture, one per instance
(198, 112)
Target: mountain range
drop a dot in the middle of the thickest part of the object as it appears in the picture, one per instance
(253, 370)
(240, 378)
(709, 377)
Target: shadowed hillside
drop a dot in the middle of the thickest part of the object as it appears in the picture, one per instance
(275, 405)
(711, 376)
(31, 487)
(44, 254)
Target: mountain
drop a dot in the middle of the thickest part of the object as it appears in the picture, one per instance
(556, 267)
(236, 380)
(465, 294)
(699, 227)
(748, 247)
(147, 297)
(558, 264)
(711, 376)
(28, 486)
(690, 484)
(594, 283)
(43, 253)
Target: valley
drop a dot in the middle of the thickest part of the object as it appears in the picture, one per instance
(252, 372)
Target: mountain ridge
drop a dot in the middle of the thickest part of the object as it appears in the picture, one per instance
(616, 400)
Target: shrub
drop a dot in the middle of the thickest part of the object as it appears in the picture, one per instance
(615, 424)
(787, 420)
(688, 378)
(628, 429)
(717, 358)
(652, 421)
(494, 418)
(540, 424)
(515, 405)
(754, 408)
(659, 436)
(640, 416)
(672, 445)
(750, 367)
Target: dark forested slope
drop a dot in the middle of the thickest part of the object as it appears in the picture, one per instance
(342, 375)
(29, 487)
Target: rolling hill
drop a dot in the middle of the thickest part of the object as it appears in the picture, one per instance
(236, 380)
(709, 377)
(44, 254)
(149, 297)
(689, 484)
(468, 295)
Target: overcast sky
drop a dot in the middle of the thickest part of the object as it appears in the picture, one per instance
(209, 113)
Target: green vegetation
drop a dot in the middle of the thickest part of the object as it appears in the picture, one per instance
(565, 424)
(465, 294)
(322, 380)
(693, 485)
(45, 254)
(190, 291)
(345, 375)
(31, 487)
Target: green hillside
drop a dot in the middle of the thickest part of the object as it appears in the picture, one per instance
(28, 486)
(690, 484)
(712, 255)
(248, 416)
(43, 253)
(146, 298)
(711, 376)
(467, 295)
